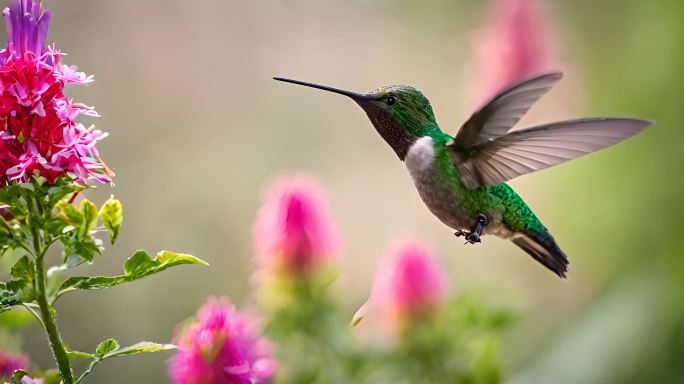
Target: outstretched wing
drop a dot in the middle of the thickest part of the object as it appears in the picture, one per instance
(504, 110)
(534, 149)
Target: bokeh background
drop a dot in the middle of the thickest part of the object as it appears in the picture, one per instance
(198, 128)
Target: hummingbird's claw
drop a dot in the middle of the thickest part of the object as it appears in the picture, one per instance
(473, 236)
(461, 232)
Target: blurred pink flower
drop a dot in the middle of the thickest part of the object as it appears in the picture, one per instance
(11, 362)
(221, 346)
(37, 128)
(514, 44)
(293, 232)
(409, 285)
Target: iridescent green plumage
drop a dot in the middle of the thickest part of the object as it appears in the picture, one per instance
(500, 197)
(462, 179)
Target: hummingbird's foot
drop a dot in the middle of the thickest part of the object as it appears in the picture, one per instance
(473, 236)
(469, 236)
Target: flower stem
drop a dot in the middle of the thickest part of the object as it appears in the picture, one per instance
(46, 312)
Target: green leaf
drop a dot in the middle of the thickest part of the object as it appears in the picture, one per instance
(11, 294)
(78, 250)
(106, 347)
(141, 265)
(60, 189)
(69, 213)
(138, 266)
(74, 355)
(138, 263)
(89, 211)
(72, 259)
(141, 347)
(74, 232)
(111, 215)
(17, 376)
(23, 269)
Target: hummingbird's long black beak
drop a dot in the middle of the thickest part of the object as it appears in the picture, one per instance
(353, 95)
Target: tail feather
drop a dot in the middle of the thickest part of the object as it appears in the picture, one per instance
(543, 248)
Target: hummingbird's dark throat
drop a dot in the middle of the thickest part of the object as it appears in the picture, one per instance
(389, 129)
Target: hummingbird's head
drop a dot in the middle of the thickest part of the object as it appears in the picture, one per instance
(400, 114)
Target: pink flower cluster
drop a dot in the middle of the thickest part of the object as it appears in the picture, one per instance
(293, 232)
(10, 363)
(38, 132)
(222, 346)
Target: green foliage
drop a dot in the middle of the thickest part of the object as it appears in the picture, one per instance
(89, 212)
(110, 348)
(141, 347)
(138, 266)
(18, 290)
(36, 216)
(17, 376)
(9, 295)
(105, 347)
(314, 336)
(457, 343)
(23, 269)
(76, 226)
(76, 355)
(111, 215)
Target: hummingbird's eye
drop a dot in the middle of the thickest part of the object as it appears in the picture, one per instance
(391, 100)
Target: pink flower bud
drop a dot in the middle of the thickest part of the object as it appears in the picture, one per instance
(409, 285)
(293, 232)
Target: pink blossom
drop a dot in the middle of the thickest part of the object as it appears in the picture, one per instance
(514, 44)
(409, 285)
(11, 362)
(221, 346)
(37, 121)
(293, 231)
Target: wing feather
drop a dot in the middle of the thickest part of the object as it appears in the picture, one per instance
(504, 110)
(530, 150)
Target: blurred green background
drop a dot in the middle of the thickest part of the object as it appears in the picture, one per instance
(198, 128)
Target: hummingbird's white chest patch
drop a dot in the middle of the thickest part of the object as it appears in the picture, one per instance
(420, 156)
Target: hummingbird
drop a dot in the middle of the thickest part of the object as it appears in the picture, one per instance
(462, 179)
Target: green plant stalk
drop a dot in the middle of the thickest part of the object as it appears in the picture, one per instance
(46, 312)
(87, 372)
